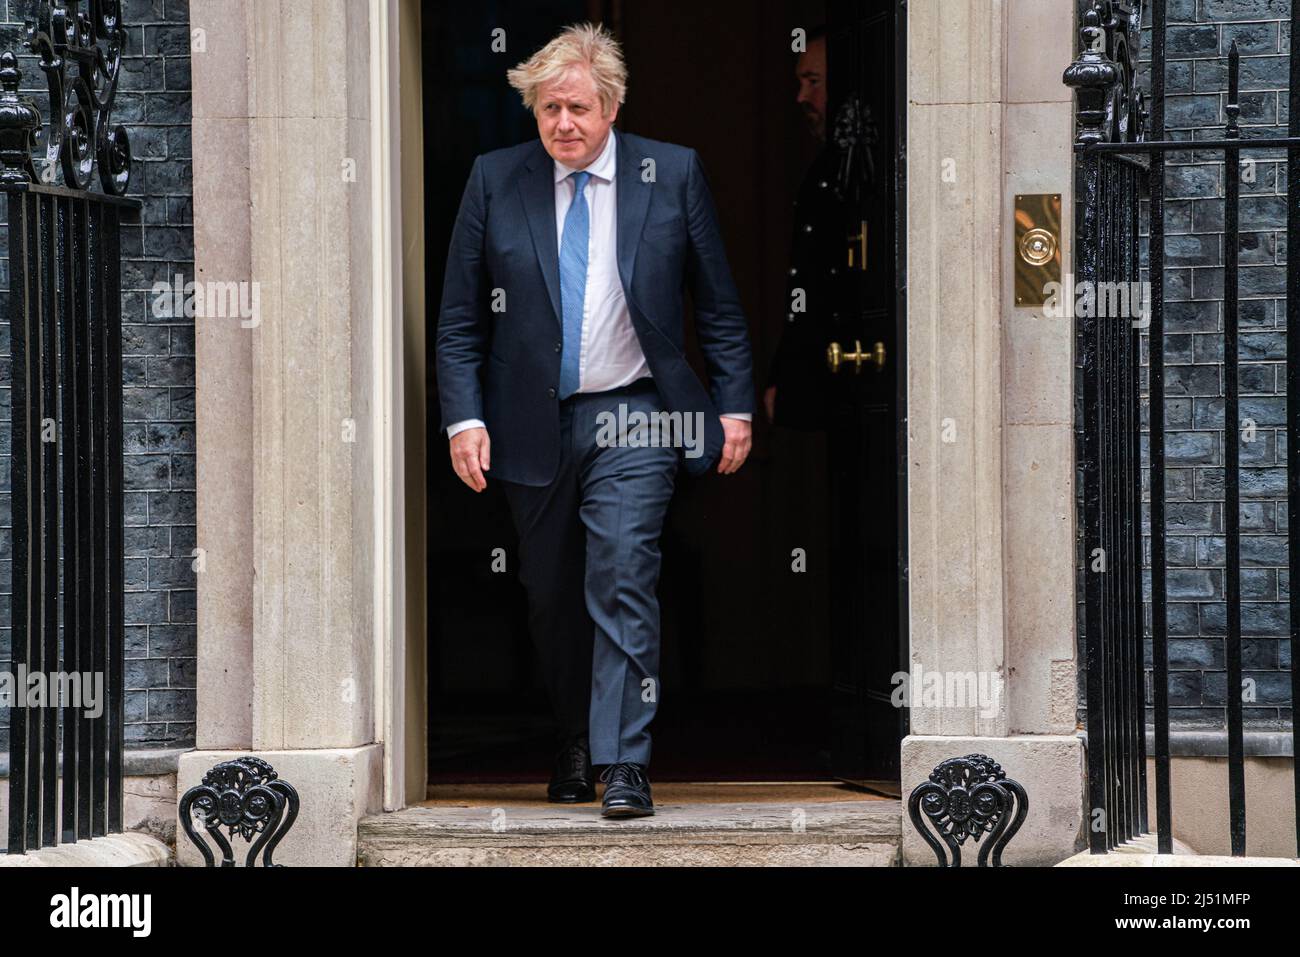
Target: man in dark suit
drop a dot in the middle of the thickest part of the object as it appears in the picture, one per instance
(797, 394)
(561, 337)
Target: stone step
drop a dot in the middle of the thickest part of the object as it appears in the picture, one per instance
(857, 833)
(1142, 852)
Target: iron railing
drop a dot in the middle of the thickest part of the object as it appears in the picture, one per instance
(1121, 150)
(64, 312)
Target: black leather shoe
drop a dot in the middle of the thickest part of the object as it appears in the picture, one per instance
(627, 791)
(572, 780)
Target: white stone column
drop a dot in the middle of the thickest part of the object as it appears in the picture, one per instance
(1038, 383)
(297, 483)
(954, 345)
(990, 496)
(223, 378)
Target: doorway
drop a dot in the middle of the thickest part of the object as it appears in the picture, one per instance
(783, 602)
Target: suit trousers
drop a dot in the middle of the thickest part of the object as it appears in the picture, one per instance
(589, 560)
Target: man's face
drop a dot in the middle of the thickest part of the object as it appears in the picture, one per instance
(570, 119)
(811, 71)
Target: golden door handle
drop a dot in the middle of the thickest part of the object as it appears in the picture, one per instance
(836, 356)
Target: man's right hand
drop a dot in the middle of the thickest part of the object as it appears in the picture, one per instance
(471, 456)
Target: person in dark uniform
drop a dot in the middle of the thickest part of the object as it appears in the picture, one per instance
(798, 380)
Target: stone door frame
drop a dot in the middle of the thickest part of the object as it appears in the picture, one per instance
(990, 548)
(311, 636)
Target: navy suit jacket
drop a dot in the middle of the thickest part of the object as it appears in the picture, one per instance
(503, 367)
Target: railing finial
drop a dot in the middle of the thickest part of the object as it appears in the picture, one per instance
(1233, 107)
(1093, 76)
(19, 121)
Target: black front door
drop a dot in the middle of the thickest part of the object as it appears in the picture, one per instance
(866, 66)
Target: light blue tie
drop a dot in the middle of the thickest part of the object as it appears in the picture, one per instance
(573, 283)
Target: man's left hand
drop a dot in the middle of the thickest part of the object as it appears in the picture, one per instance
(735, 449)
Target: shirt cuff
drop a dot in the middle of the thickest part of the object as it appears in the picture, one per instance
(745, 416)
(463, 425)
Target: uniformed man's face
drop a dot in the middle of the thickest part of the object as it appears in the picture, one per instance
(811, 71)
(570, 119)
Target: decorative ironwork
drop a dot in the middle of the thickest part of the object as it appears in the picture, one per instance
(964, 798)
(1111, 108)
(1109, 190)
(81, 130)
(1119, 165)
(64, 314)
(247, 797)
(855, 135)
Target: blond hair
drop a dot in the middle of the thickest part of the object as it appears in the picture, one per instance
(582, 43)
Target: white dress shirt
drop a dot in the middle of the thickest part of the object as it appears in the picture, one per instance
(610, 355)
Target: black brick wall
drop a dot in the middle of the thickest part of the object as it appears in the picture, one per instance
(1200, 34)
(158, 374)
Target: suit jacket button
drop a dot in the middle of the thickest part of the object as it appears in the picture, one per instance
(550, 393)
(557, 347)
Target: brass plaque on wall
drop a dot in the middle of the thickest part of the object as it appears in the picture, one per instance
(1037, 246)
